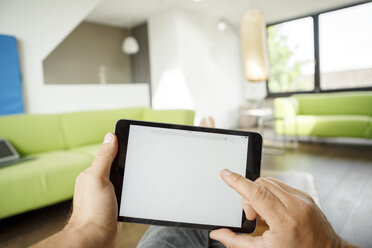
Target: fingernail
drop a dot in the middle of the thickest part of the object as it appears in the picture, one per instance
(109, 137)
(226, 172)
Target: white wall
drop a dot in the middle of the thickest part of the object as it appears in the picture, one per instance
(39, 26)
(91, 97)
(169, 87)
(204, 62)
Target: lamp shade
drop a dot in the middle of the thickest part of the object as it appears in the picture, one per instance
(221, 25)
(254, 46)
(130, 45)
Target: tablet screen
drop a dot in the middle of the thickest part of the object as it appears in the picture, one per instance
(174, 175)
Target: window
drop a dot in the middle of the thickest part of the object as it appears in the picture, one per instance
(341, 40)
(291, 52)
(345, 39)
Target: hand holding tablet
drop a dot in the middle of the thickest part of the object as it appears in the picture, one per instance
(169, 175)
(293, 217)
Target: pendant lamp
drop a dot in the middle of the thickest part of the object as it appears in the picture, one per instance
(254, 47)
(130, 44)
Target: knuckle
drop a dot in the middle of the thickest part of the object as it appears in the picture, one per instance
(307, 209)
(271, 178)
(239, 180)
(259, 193)
(309, 198)
(260, 180)
(103, 152)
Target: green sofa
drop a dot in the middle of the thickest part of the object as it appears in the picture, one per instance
(56, 148)
(325, 115)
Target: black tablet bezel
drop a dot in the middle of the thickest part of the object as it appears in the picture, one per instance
(118, 166)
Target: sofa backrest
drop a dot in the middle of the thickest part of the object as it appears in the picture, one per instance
(349, 103)
(40, 133)
(184, 117)
(31, 134)
(89, 127)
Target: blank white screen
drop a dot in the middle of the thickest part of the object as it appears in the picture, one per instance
(174, 175)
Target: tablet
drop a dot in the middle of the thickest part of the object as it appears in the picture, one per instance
(166, 174)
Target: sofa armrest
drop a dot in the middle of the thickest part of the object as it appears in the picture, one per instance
(285, 107)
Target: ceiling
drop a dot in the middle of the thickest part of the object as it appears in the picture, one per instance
(124, 13)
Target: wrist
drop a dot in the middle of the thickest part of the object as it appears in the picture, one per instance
(71, 235)
(88, 235)
(77, 234)
(82, 235)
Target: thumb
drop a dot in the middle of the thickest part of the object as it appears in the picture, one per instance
(102, 162)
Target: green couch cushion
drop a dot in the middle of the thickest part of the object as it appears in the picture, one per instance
(82, 128)
(184, 117)
(48, 178)
(90, 150)
(325, 126)
(31, 134)
(349, 103)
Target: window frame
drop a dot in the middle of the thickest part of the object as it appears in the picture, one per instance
(317, 88)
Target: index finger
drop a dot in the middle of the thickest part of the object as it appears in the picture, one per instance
(265, 203)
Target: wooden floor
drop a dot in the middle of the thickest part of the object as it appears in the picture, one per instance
(26, 229)
(343, 175)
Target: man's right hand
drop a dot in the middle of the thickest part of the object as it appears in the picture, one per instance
(292, 216)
